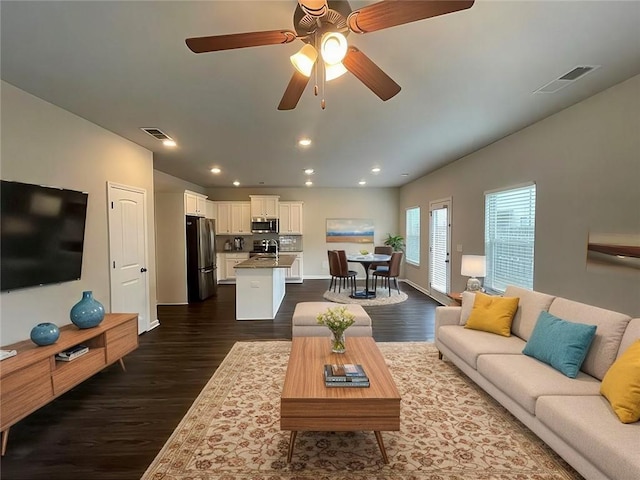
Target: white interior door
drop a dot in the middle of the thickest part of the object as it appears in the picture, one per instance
(128, 252)
(439, 246)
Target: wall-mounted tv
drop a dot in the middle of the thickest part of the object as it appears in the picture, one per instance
(41, 235)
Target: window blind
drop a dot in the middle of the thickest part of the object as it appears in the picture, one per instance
(412, 235)
(439, 242)
(510, 237)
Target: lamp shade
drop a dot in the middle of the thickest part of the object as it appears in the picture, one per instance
(474, 266)
(304, 60)
(333, 47)
(334, 71)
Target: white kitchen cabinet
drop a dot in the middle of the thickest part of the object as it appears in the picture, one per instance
(233, 218)
(210, 210)
(294, 273)
(291, 218)
(230, 261)
(195, 203)
(241, 218)
(264, 206)
(221, 272)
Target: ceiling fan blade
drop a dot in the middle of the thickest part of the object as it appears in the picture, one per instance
(239, 40)
(315, 8)
(387, 13)
(294, 91)
(370, 74)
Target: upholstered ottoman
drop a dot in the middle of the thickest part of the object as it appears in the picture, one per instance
(304, 323)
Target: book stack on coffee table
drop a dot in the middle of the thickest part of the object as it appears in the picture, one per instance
(345, 375)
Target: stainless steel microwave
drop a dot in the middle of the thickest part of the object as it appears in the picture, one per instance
(264, 225)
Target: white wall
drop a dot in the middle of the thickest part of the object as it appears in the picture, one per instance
(585, 162)
(381, 204)
(44, 144)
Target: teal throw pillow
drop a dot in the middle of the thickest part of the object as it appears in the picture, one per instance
(559, 343)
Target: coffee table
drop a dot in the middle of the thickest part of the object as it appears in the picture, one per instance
(306, 404)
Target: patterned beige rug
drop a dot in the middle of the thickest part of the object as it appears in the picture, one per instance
(450, 429)
(382, 297)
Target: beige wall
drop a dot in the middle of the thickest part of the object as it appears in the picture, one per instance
(381, 204)
(585, 162)
(171, 248)
(44, 144)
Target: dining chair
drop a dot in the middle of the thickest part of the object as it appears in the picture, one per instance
(384, 250)
(392, 272)
(346, 274)
(340, 276)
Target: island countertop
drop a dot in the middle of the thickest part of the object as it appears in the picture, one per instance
(282, 261)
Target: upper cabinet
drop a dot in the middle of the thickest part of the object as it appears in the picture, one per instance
(233, 218)
(264, 206)
(290, 218)
(210, 210)
(195, 204)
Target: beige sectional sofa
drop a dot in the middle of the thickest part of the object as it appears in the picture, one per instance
(568, 414)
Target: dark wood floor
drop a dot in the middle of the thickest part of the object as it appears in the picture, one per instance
(112, 426)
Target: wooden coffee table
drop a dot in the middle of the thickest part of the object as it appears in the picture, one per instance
(306, 404)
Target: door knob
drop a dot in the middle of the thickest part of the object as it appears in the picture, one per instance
(142, 270)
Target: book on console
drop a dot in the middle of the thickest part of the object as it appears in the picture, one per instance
(72, 353)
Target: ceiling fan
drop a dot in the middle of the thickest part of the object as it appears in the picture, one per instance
(323, 26)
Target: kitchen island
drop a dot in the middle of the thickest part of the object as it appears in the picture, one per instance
(260, 286)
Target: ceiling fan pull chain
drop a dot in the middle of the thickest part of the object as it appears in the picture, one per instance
(324, 74)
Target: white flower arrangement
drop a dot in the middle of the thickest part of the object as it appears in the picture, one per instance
(336, 319)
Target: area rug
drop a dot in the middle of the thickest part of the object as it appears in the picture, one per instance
(450, 429)
(382, 297)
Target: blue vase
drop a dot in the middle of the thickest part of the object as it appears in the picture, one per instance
(45, 334)
(88, 312)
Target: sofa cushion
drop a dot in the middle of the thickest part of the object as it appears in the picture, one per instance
(469, 344)
(524, 379)
(588, 425)
(492, 314)
(559, 343)
(529, 308)
(611, 327)
(621, 385)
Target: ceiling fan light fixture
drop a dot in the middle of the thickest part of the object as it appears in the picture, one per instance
(333, 47)
(304, 60)
(334, 71)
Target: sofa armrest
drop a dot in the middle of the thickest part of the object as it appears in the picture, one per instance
(447, 316)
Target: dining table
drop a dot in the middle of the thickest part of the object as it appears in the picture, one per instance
(366, 261)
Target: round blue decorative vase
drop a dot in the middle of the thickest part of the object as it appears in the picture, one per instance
(45, 334)
(88, 312)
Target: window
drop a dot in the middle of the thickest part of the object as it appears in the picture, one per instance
(509, 237)
(439, 245)
(413, 235)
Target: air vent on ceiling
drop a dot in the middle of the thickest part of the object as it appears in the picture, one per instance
(156, 133)
(567, 79)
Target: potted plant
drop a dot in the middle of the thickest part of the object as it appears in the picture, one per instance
(337, 320)
(396, 242)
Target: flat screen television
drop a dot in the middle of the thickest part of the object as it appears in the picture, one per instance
(41, 236)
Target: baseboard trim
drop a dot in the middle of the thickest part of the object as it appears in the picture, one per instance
(154, 324)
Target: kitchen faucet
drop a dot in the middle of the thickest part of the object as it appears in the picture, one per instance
(275, 244)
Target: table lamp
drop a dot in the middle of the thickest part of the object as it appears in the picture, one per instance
(474, 266)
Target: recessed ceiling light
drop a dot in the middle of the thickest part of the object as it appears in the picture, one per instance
(375, 170)
(309, 171)
(308, 183)
(236, 183)
(169, 143)
(404, 174)
(215, 170)
(304, 142)
(362, 182)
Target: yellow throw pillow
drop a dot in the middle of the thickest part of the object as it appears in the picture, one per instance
(621, 385)
(493, 314)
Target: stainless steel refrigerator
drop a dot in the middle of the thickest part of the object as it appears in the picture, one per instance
(201, 258)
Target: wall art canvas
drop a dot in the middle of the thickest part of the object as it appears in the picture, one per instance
(349, 230)
(614, 250)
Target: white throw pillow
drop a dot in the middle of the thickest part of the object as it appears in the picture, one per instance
(467, 305)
